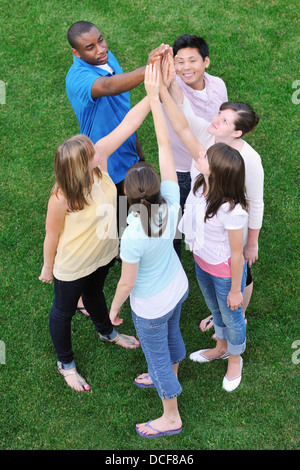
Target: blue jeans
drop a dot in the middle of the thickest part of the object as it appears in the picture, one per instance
(163, 347)
(184, 181)
(228, 324)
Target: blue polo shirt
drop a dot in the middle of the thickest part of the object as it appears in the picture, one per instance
(100, 116)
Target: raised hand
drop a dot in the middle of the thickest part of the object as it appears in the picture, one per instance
(152, 79)
(158, 53)
(168, 70)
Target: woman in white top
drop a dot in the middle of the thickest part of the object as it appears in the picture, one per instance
(152, 273)
(213, 223)
(233, 121)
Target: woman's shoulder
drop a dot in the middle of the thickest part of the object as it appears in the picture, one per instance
(57, 197)
(249, 153)
(134, 227)
(170, 192)
(103, 179)
(57, 204)
(133, 237)
(238, 213)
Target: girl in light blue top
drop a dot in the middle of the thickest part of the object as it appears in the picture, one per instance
(152, 273)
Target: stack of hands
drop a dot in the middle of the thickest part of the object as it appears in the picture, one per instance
(162, 60)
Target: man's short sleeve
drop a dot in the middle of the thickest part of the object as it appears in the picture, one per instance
(79, 82)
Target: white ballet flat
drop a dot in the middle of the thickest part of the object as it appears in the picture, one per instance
(231, 384)
(198, 356)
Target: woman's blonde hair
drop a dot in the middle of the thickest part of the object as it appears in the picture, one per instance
(72, 168)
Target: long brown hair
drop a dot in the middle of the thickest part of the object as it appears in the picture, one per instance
(142, 188)
(72, 167)
(226, 181)
(246, 119)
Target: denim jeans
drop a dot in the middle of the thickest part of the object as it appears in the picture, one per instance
(184, 181)
(163, 347)
(67, 294)
(228, 324)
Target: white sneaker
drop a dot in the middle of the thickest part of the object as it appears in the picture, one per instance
(198, 356)
(231, 384)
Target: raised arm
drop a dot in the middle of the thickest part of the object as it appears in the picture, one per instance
(121, 82)
(117, 84)
(131, 122)
(177, 119)
(166, 161)
(169, 78)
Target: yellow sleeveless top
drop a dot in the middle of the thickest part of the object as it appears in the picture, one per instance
(89, 238)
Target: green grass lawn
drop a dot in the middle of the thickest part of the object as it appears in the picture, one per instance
(254, 47)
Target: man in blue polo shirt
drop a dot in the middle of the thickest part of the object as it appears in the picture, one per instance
(98, 91)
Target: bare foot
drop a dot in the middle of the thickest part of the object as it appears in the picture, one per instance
(160, 425)
(144, 381)
(127, 342)
(234, 367)
(74, 380)
(214, 353)
(206, 323)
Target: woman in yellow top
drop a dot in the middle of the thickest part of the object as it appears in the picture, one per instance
(81, 239)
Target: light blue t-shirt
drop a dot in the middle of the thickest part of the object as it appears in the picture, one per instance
(158, 261)
(100, 116)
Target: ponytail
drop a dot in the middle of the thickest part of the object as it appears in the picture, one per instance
(246, 119)
(142, 188)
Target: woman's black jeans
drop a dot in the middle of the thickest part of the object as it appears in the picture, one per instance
(67, 294)
(184, 181)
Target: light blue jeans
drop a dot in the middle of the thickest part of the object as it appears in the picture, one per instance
(163, 347)
(228, 324)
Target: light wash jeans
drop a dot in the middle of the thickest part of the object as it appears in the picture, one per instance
(163, 347)
(228, 324)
